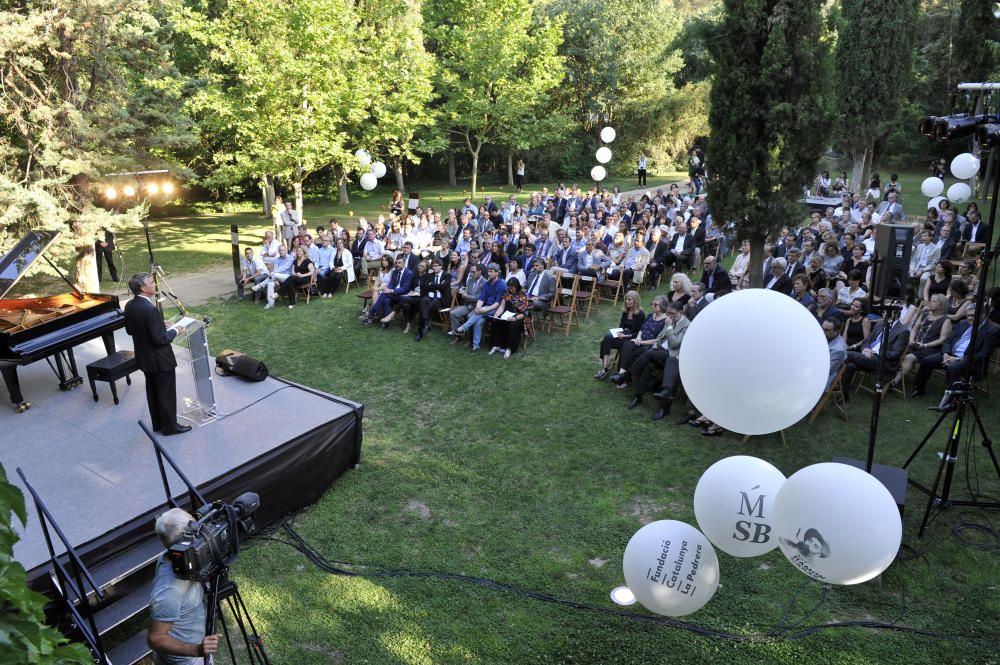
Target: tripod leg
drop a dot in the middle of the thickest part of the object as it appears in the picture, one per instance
(225, 632)
(255, 641)
(947, 458)
(925, 440)
(987, 442)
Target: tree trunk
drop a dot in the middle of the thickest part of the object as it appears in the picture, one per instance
(510, 168)
(867, 174)
(86, 268)
(397, 167)
(859, 183)
(343, 199)
(267, 193)
(756, 259)
(452, 178)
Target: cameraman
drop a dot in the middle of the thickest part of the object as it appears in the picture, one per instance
(177, 608)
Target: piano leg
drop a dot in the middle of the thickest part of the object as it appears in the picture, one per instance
(109, 342)
(14, 388)
(74, 379)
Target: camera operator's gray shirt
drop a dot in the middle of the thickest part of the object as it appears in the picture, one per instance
(181, 603)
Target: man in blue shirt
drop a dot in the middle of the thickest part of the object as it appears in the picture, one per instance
(324, 260)
(177, 608)
(489, 301)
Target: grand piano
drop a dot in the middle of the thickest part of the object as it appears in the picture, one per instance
(48, 328)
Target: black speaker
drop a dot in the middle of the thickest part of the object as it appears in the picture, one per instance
(894, 244)
(233, 362)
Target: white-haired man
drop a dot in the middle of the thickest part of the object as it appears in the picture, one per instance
(177, 608)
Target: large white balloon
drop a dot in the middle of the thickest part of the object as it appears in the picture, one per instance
(604, 154)
(959, 192)
(734, 504)
(932, 186)
(933, 203)
(740, 390)
(368, 181)
(837, 524)
(598, 173)
(378, 169)
(671, 568)
(965, 166)
(362, 156)
(608, 134)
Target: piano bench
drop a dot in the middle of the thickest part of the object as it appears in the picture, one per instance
(111, 368)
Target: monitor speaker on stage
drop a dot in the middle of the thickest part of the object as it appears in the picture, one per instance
(894, 244)
(233, 362)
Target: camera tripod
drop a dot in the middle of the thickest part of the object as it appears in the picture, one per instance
(958, 399)
(222, 589)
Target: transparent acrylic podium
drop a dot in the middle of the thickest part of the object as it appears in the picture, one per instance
(197, 402)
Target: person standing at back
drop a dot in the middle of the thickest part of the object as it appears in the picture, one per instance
(151, 338)
(641, 171)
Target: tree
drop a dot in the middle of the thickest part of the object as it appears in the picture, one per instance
(88, 89)
(872, 37)
(976, 56)
(497, 67)
(768, 114)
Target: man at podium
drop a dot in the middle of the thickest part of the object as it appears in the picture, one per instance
(153, 354)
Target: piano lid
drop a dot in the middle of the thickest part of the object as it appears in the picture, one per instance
(16, 262)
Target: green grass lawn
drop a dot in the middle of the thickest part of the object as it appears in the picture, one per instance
(530, 473)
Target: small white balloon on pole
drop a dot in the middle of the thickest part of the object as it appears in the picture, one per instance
(368, 181)
(932, 187)
(598, 173)
(378, 169)
(362, 156)
(608, 134)
(603, 154)
(959, 192)
(965, 166)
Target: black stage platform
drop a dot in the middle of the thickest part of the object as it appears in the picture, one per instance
(97, 473)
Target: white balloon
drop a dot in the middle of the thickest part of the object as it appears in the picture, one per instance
(378, 169)
(837, 524)
(959, 192)
(734, 503)
(741, 391)
(362, 156)
(932, 186)
(933, 203)
(368, 181)
(671, 568)
(604, 154)
(965, 166)
(608, 134)
(598, 173)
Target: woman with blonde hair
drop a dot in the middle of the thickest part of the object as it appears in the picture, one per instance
(628, 327)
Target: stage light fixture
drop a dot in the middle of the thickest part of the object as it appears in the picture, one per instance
(957, 125)
(622, 595)
(996, 10)
(927, 124)
(168, 187)
(128, 190)
(988, 135)
(111, 193)
(153, 189)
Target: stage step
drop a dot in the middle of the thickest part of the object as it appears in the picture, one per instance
(112, 572)
(122, 610)
(131, 651)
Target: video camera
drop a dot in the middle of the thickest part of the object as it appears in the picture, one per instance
(212, 542)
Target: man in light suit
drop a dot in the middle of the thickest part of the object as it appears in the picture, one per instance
(469, 295)
(636, 261)
(923, 258)
(290, 220)
(153, 354)
(541, 286)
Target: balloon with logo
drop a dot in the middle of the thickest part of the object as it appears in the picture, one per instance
(837, 524)
(734, 505)
(959, 192)
(671, 568)
(932, 187)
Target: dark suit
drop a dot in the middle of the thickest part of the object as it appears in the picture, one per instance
(717, 282)
(155, 358)
(435, 294)
(947, 248)
(400, 283)
(682, 261)
(899, 337)
(793, 269)
(410, 261)
(693, 307)
(783, 285)
(979, 234)
(658, 258)
(986, 343)
(106, 254)
(546, 289)
(567, 259)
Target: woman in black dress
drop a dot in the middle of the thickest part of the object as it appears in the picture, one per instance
(858, 326)
(302, 272)
(338, 273)
(630, 323)
(939, 281)
(930, 331)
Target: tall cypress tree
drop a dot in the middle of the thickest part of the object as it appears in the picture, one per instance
(976, 42)
(768, 118)
(874, 60)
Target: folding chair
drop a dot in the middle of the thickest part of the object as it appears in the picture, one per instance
(834, 392)
(444, 314)
(559, 309)
(307, 289)
(606, 286)
(585, 293)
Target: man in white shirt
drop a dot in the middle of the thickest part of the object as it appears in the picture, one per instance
(290, 220)
(253, 272)
(269, 250)
(923, 258)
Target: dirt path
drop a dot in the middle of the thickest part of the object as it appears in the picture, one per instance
(216, 284)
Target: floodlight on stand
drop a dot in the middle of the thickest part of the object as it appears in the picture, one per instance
(153, 188)
(955, 126)
(111, 193)
(927, 124)
(622, 595)
(988, 135)
(168, 187)
(128, 190)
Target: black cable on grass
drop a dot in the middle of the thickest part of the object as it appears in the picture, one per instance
(780, 632)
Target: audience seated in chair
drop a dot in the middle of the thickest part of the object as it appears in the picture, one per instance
(488, 302)
(927, 335)
(646, 339)
(507, 332)
(661, 356)
(630, 323)
(954, 354)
